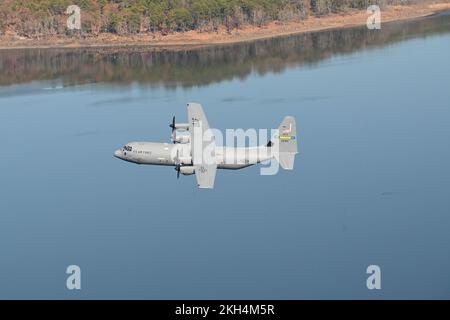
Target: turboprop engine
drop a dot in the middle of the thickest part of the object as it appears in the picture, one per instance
(183, 164)
(187, 170)
(181, 138)
(176, 127)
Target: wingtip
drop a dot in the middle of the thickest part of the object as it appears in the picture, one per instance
(205, 187)
(191, 104)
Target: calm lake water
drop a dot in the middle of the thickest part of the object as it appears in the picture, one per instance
(371, 184)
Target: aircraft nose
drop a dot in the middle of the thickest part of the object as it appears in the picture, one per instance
(118, 154)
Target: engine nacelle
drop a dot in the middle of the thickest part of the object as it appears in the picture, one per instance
(182, 126)
(182, 138)
(185, 160)
(187, 170)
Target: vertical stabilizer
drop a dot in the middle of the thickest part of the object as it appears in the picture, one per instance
(285, 143)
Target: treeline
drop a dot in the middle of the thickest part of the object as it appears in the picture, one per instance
(48, 17)
(204, 66)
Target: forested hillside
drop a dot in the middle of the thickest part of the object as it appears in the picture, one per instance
(47, 17)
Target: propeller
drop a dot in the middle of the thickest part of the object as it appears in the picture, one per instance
(177, 164)
(174, 130)
(178, 169)
(172, 125)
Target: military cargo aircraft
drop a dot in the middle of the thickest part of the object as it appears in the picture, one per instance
(194, 151)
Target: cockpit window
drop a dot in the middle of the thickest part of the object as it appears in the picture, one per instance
(128, 148)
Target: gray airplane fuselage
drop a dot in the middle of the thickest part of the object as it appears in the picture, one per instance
(165, 154)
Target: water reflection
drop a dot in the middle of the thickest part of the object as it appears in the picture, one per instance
(202, 66)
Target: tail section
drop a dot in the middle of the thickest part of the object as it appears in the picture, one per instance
(285, 143)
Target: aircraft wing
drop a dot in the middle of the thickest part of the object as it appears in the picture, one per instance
(202, 146)
(205, 174)
(196, 114)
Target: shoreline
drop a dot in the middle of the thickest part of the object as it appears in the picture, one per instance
(195, 39)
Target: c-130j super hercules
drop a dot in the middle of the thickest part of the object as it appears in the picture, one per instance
(196, 152)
